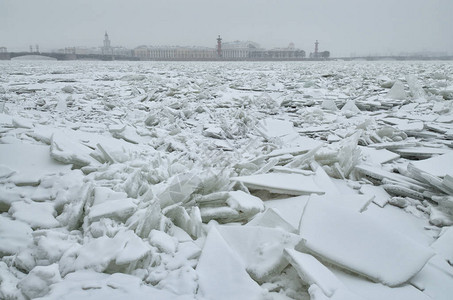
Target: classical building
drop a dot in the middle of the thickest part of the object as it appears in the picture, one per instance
(240, 50)
(174, 53)
(3, 50)
(237, 50)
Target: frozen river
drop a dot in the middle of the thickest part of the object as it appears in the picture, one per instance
(226, 180)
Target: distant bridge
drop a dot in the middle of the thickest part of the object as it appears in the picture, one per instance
(66, 56)
(398, 58)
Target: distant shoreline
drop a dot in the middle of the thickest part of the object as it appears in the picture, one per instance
(74, 57)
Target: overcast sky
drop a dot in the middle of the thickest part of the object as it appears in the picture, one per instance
(343, 27)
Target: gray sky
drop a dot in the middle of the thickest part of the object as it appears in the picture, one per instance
(342, 26)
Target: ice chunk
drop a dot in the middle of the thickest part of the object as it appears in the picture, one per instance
(19, 122)
(38, 215)
(352, 202)
(37, 282)
(289, 208)
(68, 151)
(73, 211)
(14, 236)
(312, 272)
(350, 108)
(163, 241)
(438, 166)
(377, 157)
(444, 244)
(115, 209)
(385, 81)
(229, 206)
(328, 104)
(8, 283)
(342, 294)
(179, 190)
(260, 248)
(381, 197)
(397, 91)
(281, 183)
(416, 89)
(191, 224)
(221, 272)
(134, 249)
(361, 245)
(376, 291)
(271, 128)
(272, 219)
(244, 203)
(90, 285)
(31, 162)
(7, 197)
(435, 279)
(104, 254)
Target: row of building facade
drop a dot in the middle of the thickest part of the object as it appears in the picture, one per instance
(237, 50)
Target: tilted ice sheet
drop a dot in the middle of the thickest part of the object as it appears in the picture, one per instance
(352, 241)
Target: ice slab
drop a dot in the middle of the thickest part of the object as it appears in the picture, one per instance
(30, 162)
(221, 272)
(444, 244)
(36, 283)
(438, 166)
(312, 272)
(19, 122)
(356, 243)
(282, 183)
(381, 197)
(352, 202)
(104, 253)
(70, 151)
(380, 174)
(435, 279)
(376, 291)
(229, 206)
(90, 285)
(420, 152)
(272, 219)
(260, 248)
(38, 215)
(115, 209)
(271, 128)
(14, 235)
(289, 208)
(397, 91)
(377, 156)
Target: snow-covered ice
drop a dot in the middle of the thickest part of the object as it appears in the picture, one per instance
(238, 180)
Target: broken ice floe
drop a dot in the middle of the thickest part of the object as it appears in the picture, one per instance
(119, 170)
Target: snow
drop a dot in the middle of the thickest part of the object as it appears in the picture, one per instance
(238, 180)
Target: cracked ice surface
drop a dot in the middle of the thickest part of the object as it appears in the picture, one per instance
(191, 180)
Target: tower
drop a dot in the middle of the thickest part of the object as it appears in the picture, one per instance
(219, 47)
(107, 48)
(316, 48)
